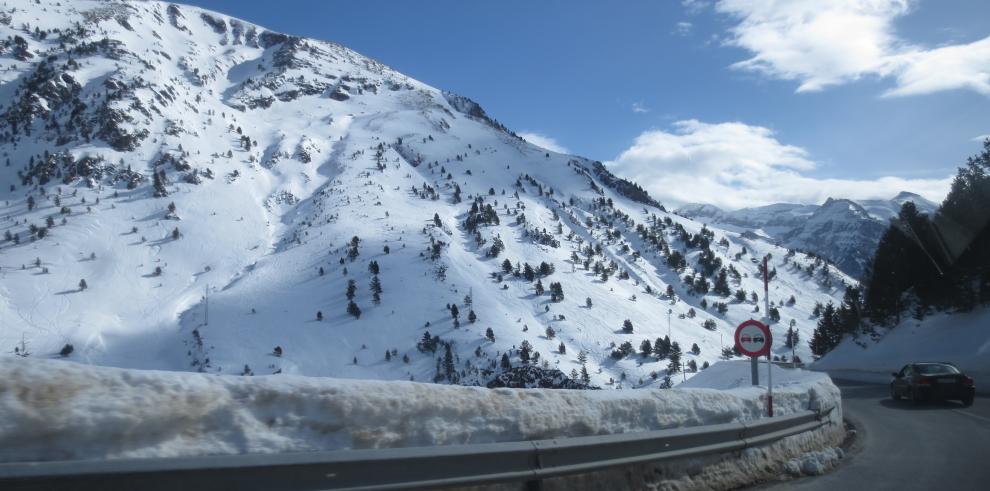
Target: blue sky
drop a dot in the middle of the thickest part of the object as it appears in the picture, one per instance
(808, 99)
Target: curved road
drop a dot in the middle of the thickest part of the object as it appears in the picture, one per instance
(900, 446)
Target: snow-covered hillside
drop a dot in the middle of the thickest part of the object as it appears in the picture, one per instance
(851, 229)
(163, 163)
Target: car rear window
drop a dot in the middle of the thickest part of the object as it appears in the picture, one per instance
(934, 368)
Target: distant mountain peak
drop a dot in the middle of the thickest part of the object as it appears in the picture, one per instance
(843, 230)
(906, 195)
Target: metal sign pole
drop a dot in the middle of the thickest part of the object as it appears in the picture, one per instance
(766, 313)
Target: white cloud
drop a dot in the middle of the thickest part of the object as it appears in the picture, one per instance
(735, 165)
(640, 108)
(980, 138)
(962, 66)
(822, 43)
(683, 28)
(544, 141)
(695, 6)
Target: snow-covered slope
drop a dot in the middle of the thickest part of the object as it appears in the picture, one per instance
(277, 152)
(851, 229)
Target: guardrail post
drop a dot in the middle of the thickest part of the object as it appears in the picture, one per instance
(535, 484)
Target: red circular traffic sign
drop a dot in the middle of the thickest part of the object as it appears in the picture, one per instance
(753, 338)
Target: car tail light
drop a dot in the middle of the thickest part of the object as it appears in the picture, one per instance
(968, 381)
(924, 381)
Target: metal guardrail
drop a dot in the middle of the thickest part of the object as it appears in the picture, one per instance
(405, 468)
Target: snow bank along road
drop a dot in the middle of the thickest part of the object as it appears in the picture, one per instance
(55, 410)
(906, 447)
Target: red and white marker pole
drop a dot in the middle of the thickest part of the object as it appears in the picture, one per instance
(766, 313)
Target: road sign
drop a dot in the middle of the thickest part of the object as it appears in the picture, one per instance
(753, 338)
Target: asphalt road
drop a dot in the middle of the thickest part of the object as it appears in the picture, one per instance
(940, 445)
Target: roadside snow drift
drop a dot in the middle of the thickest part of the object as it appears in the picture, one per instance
(56, 410)
(962, 339)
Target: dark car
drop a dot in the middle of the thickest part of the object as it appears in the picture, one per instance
(932, 381)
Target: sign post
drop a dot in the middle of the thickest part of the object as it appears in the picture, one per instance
(766, 314)
(753, 339)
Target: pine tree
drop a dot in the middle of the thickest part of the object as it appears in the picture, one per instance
(448, 364)
(827, 334)
(353, 309)
(351, 289)
(506, 364)
(587, 302)
(507, 266)
(373, 267)
(584, 375)
(675, 358)
(490, 334)
(722, 284)
(561, 348)
(539, 288)
(472, 317)
(319, 315)
(695, 349)
(792, 337)
(627, 326)
(376, 290)
(82, 284)
(524, 352)
(352, 252)
(550, 332)
(645, 348)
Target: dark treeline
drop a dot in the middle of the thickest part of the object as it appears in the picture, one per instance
(923, 263)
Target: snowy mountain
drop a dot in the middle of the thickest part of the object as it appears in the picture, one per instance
(184, 190)
(846, 232)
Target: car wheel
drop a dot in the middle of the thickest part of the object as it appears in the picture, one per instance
(968, 401)
(893, 394)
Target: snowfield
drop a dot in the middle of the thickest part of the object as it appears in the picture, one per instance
(57, 410)
(961, 338)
